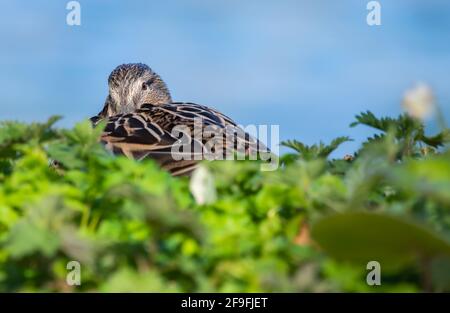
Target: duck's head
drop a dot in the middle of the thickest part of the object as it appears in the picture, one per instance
(131, 86)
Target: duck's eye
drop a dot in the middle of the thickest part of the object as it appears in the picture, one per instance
(146, 84)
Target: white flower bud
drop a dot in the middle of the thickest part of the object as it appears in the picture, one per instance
(418, 102)
(202, 186)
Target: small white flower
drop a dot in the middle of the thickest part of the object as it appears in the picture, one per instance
(202, 186)
(418, 102)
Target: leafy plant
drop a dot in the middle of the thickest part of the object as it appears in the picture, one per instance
(312, 225)
(312, 152)
(408, 132)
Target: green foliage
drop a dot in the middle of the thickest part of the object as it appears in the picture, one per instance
(313, 152)
(411, 242)
(133, 227)
(407, 131)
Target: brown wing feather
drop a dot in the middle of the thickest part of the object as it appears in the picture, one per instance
(148, 133)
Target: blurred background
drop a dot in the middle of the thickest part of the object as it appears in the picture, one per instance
(308, 66)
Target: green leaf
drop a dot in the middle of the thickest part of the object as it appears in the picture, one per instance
(26, 238)
(315, 151)
(361, 237)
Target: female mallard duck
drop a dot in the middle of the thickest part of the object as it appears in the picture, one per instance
(142, 121)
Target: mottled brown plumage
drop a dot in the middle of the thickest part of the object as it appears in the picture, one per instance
(143, 122)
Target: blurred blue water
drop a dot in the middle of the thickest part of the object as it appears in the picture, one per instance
(308, 66)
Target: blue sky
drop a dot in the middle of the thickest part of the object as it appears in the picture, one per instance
(308, 66)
